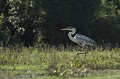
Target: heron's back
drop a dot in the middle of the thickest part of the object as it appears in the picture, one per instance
(85, 40)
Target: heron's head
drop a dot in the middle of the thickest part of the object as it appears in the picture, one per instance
(69, 28)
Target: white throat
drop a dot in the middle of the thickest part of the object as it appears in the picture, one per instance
(70, 35)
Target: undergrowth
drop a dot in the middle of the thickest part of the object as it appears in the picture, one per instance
(54, 61)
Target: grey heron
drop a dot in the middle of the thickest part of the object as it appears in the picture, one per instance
(80, 39)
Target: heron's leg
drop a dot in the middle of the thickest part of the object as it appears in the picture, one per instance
(79, 53)
(86, 52)
(76, 55)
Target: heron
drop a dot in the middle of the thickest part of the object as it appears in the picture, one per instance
(80, 39)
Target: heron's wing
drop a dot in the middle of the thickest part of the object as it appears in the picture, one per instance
(85, 40)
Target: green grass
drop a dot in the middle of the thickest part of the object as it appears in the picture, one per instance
(37, 74)
(51, 63)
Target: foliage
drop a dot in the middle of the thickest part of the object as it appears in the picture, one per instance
(46, 61)
(27, 18)
(33, 21)
(59, 62)
(107, 22)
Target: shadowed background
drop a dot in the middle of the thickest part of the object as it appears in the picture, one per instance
(33, 22)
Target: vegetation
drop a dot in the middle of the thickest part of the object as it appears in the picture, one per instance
(49, 61)
(30, 37)
(35, 21)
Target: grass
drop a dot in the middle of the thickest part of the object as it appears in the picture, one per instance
(50, 63)
(29, 74)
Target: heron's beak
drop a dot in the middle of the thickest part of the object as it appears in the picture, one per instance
(68, 28)
(63, 29)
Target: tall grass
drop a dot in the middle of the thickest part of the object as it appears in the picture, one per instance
(58, 61)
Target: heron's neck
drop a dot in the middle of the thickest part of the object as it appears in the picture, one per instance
(73, 32)
(70, 35)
